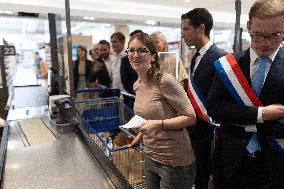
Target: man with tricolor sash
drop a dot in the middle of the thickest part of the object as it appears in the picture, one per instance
(196, 27)
(247, 98)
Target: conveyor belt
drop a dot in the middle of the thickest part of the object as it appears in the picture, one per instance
(35, 131)
(64, 163)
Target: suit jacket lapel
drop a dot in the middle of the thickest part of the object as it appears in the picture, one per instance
(244, 63)
(274, 74)
(204, 60)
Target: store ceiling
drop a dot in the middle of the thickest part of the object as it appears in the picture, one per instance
(167, 12)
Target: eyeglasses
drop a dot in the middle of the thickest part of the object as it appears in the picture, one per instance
(259, 37)
(140, 51)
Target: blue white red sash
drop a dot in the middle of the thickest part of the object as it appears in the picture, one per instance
(235, 82)
(198, 101)
(237, 85)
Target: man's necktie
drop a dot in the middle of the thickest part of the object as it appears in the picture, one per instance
(257, 79)
(193, 60)
(257, 82)
(253, 144)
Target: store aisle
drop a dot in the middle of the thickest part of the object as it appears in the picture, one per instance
(25, 76)
(30, 96)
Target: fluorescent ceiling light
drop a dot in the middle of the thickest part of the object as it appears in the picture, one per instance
(9, 12)
(6, 12)
(150, 22)
(89, 18)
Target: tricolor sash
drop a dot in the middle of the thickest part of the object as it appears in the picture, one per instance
(235, 81)
(198, 101)
(237, 85)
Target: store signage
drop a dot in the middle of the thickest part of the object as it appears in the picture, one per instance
(8, 50)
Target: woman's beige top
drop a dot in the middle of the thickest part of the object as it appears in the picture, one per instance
(164, 101)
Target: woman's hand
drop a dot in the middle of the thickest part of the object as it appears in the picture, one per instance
(149, 126)
(136, 140)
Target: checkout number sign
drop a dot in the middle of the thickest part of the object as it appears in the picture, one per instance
(9, 50)
(9, 54)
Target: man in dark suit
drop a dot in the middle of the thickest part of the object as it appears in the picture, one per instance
(196, 27)
(128, 77)
(250, 160)
(127, 74)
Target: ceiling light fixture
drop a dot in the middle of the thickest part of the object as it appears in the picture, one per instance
(6, 12)
(89, 18)
(150, 22)
(187, 1)
(9, 12)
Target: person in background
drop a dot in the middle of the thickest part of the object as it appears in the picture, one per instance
(100, 74)
(117, 43)
(82, 69)
(127, 74)
(169, 64)
(251, 106)
(94, 52)
(162, 101)
(37, 65)
(104, 53)
(43, 73)
(92, 55)
(196, 27)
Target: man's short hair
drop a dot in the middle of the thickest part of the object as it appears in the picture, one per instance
(104, 42)
(266, 9)
(119, 36)
(200, 16)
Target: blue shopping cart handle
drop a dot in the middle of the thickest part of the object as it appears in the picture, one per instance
(97, 90)
(127, 94)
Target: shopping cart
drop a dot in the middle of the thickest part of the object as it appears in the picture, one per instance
(101, 116)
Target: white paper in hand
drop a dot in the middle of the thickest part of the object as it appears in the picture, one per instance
(2, 122)
(134, 122)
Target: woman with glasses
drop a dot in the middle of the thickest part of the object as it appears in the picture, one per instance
(161, 100)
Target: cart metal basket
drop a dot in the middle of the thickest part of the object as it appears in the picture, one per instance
(101, 117)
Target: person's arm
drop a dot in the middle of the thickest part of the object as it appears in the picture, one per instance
(43, 70)
(177, 98)
(272, 112)
(182, 75)
(223, 108)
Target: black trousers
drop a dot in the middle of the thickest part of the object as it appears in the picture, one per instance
(201, 139)
(264, 170)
